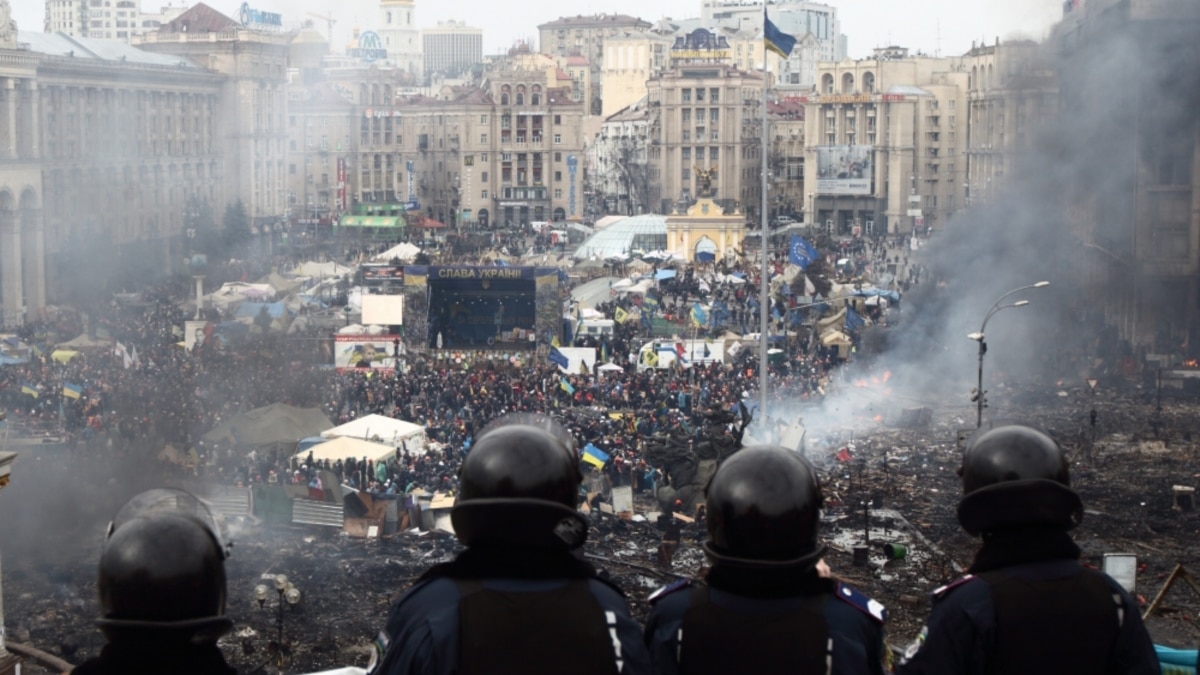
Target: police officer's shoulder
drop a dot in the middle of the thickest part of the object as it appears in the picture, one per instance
(859, 600)
(943, 592)
(667, 590)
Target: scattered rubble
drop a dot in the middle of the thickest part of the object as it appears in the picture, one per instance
(890, 493)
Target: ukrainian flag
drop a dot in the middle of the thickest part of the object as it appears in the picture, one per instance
(72, 390)
(594, 456)
(776, 40)
(566, 386)
(28, 388)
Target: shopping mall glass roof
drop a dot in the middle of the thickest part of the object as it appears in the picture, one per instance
(644, 233)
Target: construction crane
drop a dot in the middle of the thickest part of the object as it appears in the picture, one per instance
(329, 21)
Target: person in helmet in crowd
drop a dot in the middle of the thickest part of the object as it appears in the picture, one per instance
(767, 604)
(162, 590)
(1028, 605)
(517, 600)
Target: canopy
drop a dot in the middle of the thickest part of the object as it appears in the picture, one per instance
(275, 423)
(373, 221)
(430, 224)
(610, 366)
(664, 274)
(404, 251)
(84, 342)
(348, 448)
(385, 429)
(325, 269)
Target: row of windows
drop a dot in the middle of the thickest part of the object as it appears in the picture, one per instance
(698, 153)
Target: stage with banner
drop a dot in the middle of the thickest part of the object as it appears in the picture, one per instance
(488, 308)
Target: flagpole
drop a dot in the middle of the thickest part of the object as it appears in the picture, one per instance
(764, 242)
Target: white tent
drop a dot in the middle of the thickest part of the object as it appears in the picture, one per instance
(321, 270)
(384, 429)
(404, 251)
(348, 448)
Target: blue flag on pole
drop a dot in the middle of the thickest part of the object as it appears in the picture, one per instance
(800, 252)
(558, 358)
(776, 40)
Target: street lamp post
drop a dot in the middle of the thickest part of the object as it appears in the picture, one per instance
(980, 337)
(288, 595)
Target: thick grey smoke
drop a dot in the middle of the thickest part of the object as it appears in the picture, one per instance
(1067, 199)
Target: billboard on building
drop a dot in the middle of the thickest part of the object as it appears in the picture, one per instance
(844, 169)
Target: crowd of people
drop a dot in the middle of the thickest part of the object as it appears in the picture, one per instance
(143, 390)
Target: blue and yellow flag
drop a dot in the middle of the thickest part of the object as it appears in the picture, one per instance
(699, 316)
(594, 456)
(566, 386)
(30, 389)
(72, 390)
(776, 40)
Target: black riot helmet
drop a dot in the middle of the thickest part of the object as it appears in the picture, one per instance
(519, 486)
(162, 572)
(763, 509)
(1016, 476)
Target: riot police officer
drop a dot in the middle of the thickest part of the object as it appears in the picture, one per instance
(764, 606)
(1028, 605)
(517, 600)
(162, 589)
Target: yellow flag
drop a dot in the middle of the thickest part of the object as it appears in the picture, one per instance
(583, 369)
(620, 315)
(650, 358)
(554, 342)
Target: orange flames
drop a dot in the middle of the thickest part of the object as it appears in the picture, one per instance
(1191, 363)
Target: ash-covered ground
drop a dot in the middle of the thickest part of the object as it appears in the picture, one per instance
(57, 504)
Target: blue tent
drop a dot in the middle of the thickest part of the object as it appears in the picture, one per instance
(664, 274)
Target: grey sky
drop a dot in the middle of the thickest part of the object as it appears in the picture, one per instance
(867, 23)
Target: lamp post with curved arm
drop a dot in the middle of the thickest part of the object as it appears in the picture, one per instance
(980, 337)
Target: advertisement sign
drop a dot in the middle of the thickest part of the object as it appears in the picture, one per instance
(844, 169)
(369, 47)
(341, 184)
(363, 351)
(253, 18)
(572, 167)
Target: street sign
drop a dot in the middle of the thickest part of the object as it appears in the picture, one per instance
(1092, 382)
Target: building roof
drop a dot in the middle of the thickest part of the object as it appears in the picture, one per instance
(577, 60)
(792, 110)
(199, 19)
(594, 20)
(61, 44)
(907, 90)
(647, 231)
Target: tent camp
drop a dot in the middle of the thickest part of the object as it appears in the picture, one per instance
(348, 448)
(385, 430)
(277, 423)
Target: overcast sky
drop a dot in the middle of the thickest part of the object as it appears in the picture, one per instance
(930, 26)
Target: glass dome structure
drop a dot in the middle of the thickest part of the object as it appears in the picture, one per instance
(644, 233)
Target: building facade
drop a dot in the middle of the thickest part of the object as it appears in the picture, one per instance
(619, 162)
(585, 36)
(451, 49)
(885, 147)
(706, 122)
(794, 17)
(253, 102)
(101, 19)
(103, 146)
(1132, 200)
(1012, 93)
